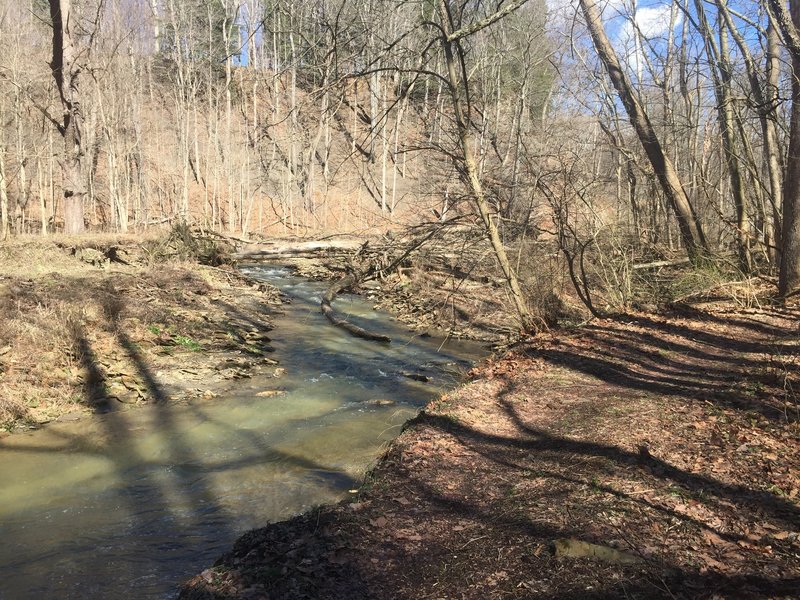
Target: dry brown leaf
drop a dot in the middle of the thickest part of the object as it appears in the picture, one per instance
(380, 522)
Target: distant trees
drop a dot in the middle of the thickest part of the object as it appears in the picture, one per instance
(729, 170)
(690, 227)
(636, 131)
(457, 80)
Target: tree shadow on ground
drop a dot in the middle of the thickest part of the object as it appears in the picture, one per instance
(338, 553)
(469, 502)
(674, 359)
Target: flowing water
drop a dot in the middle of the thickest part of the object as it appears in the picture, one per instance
(130, 503)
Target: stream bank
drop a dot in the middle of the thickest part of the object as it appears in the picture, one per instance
(83, 333)
(644, 457)
(128, 503)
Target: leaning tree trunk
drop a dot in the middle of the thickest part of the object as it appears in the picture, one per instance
(689, 224)
(66, 71)
(454, 58)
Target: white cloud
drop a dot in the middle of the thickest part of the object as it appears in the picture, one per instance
(654, 21)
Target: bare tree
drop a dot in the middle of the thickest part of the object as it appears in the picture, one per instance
(789, 278)
(459, 94)
(67, 69)
(691, 230)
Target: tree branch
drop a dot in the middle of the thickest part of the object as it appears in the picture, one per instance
(485, 22)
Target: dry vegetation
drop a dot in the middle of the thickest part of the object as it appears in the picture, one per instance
(84, 333)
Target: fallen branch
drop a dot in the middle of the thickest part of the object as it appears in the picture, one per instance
(661, 263)
(343, 284)
(297, 249)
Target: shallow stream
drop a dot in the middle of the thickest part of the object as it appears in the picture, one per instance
(130, 503)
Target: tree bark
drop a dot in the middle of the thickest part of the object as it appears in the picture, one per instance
(66, 72)
(771, 144)
(789, 276)
(691, 230)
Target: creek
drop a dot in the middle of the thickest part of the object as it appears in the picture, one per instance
(130, 503)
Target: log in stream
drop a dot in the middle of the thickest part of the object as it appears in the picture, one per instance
(326, 305)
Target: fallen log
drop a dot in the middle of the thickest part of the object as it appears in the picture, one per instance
(297, 249)
(327, 309)
(661, 263)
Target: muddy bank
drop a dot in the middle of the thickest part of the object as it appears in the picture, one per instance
(642, 458)
(100, 324)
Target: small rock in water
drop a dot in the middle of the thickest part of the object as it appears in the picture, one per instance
(270, 393)
(416, 377)
(71, 416)
(381, 402)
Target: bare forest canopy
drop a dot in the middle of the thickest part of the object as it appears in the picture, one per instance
(606, 133)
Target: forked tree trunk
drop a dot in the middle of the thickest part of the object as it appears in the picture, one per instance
(691, 231)
(66, 72)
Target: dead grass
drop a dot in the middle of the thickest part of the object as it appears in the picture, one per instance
(79, 337)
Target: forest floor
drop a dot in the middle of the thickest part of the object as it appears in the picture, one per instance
(640, 457)
(102, 323)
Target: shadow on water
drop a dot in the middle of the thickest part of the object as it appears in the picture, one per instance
(165, 504)
(682, 363)
(153, 512)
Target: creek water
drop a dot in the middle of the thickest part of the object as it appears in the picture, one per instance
(130, 503)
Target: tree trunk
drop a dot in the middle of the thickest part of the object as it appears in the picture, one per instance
(719, 56)
(766, 102)
(691, 231)
(66, 72)
(454, 59)
(789, 277)
(3, 197)
(771, 145)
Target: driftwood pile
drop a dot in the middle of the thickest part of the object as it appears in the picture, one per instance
(365, 260)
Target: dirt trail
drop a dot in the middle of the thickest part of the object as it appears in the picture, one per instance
(669, 444)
